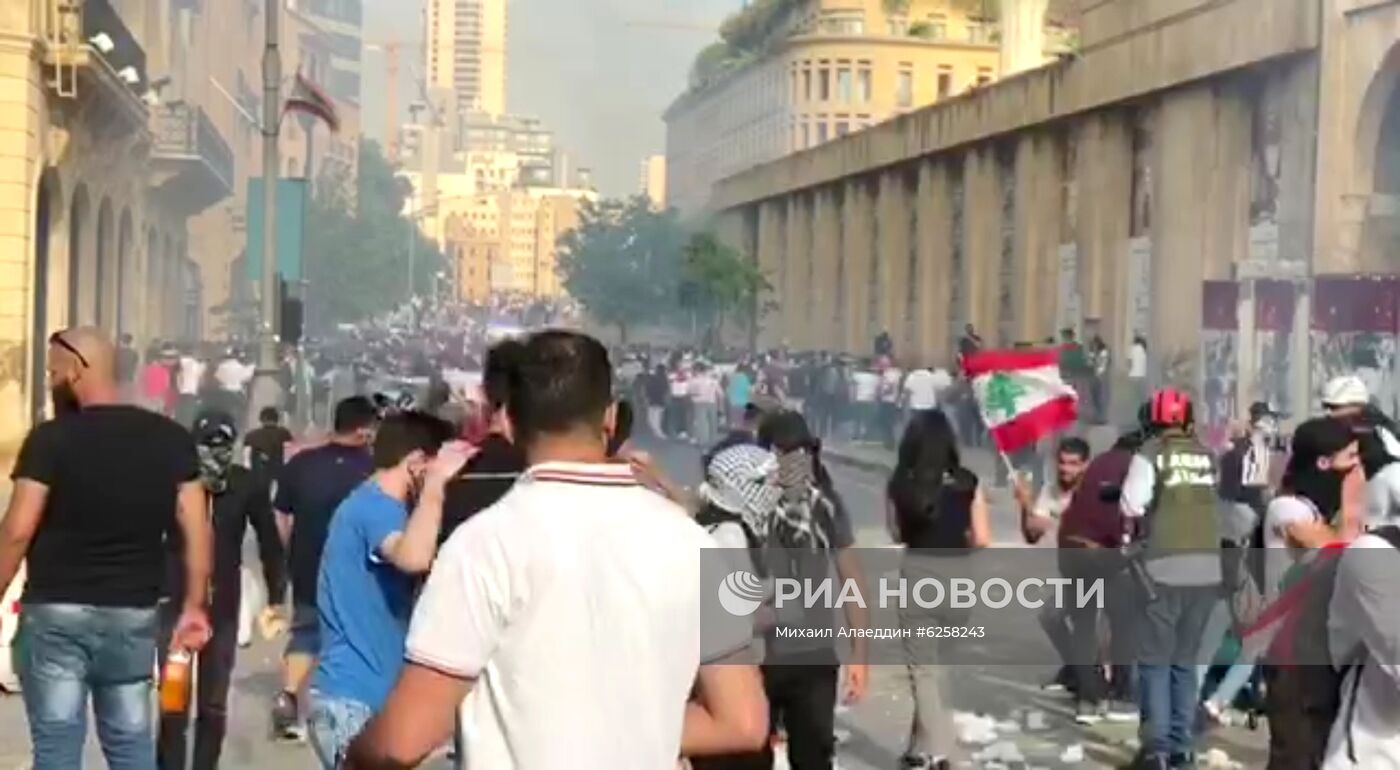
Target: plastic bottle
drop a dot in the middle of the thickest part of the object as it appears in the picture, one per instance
(175, 683)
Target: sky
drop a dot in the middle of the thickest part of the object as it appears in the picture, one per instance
(583, 66)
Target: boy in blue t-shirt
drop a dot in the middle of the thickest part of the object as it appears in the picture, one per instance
(373, 556)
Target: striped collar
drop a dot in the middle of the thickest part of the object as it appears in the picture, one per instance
(586, 474)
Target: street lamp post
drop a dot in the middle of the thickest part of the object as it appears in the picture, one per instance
(266, 390)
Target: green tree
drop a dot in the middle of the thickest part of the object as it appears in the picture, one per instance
(718, 282)
(359, 244)
(622, 263)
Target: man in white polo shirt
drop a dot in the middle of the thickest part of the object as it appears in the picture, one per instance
(920, 392)
(570, 610)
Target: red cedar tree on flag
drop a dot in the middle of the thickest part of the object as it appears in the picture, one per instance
(308, 98)
(1021, 395)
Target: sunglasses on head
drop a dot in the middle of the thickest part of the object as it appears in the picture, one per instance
(57, 339)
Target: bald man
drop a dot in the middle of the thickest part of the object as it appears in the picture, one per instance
(98, 493)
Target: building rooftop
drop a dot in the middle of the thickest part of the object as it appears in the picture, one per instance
(764, 27)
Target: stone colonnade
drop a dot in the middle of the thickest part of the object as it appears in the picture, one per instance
(880, 251)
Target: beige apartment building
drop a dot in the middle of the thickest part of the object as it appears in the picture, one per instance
(104, 163)
(465, 52)
(652, 184)
(824, 69)
(128, 131)
(507, 241)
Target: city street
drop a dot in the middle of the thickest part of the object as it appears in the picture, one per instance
(873, 732)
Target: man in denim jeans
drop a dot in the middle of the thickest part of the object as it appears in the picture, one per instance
(1170, 488)
(97, 490)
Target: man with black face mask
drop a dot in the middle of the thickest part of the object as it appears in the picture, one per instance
(237, 499)
(1308, 513)
(1320, 503)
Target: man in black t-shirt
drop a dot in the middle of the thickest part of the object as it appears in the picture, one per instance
(312, 485)
(267, 446)
(97, 493)
(492, 471)
(237, 501)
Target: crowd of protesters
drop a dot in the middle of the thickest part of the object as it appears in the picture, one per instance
(425, 570)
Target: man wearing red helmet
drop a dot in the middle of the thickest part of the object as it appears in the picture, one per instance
(1169, 504)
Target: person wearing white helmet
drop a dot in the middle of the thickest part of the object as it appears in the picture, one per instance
(1348, 398)
(1345, 396)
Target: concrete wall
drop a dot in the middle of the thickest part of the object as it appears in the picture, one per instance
(1109, 192)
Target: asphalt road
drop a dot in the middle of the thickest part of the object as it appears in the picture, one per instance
(1030, 724)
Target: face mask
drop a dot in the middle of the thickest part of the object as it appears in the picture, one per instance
(65, 401)
(214, 463)
(1266, 428)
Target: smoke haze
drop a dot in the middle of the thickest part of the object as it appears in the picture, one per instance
(598, 72)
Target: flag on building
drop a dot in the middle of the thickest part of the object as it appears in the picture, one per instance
(1021, 395)
(309, 99)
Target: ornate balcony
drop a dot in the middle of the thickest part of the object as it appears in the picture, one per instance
(193, 164)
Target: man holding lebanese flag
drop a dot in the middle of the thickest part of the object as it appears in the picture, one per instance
(1021, 396)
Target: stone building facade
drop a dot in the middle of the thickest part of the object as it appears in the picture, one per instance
(830, 68)
(86, 234)
(1220, 176)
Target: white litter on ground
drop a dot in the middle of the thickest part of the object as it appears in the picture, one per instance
(1217, 759)
(1035, 720)
(1002, 752)
(1073, 754)
(974, 729)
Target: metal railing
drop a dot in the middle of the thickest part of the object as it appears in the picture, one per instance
(185, 131)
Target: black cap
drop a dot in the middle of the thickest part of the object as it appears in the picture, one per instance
(215, 428)
(1261, 409)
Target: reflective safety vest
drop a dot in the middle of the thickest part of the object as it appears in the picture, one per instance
(1182, 516)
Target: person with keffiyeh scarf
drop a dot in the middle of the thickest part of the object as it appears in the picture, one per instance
(236, 501)
(810, 533)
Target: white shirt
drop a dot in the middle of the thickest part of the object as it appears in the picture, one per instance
(1362, 628)
(942, 380)
(232, 375)
(864, 386)
(1137, 362)
(889, 385)
(575, 603)
(680, 386)
(705, 389)
(188, 378)
(1383, 496)
(1280, 556)
(921, 390)
(1052, 501)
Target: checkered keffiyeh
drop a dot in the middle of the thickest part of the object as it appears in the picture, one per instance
(743, 481)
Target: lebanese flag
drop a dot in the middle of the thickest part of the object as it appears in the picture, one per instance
(309, 99)
(1021, 395)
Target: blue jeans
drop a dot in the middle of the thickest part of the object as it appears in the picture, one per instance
(1167, 686)
(68, 651)
(332, 724)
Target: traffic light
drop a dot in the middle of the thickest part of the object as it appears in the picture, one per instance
(289, 314)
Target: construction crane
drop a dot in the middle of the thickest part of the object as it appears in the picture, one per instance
(392, 48)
